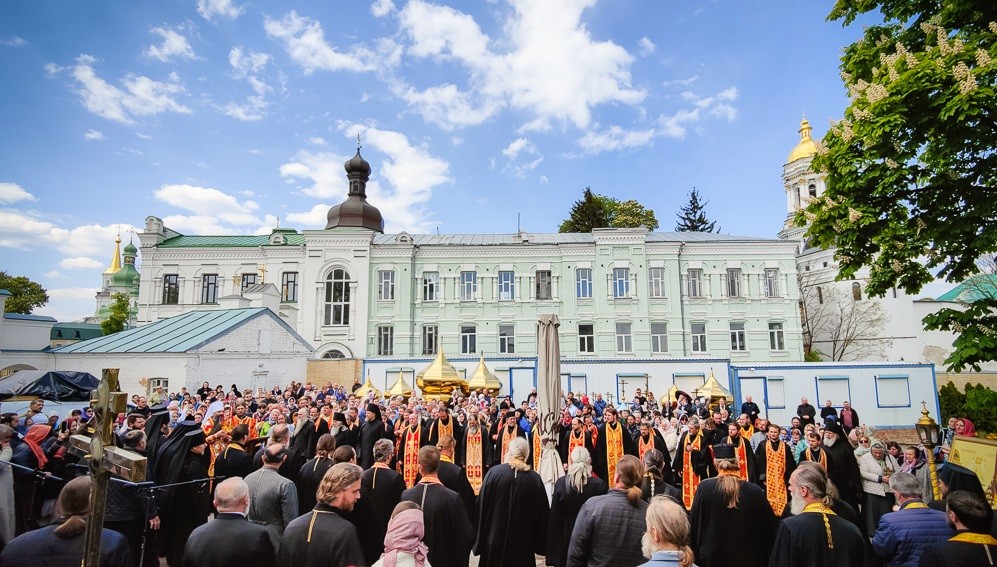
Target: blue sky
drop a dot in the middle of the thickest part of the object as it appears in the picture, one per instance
(221, 116)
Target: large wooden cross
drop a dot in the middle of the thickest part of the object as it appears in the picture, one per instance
(104, 457)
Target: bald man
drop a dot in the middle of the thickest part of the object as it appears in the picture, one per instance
(229, 539)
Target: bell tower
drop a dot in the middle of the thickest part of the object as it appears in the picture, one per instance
(802, 184)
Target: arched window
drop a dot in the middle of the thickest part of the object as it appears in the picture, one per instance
(337, 298)
(856, 291)
(813, 191)
(335, 354)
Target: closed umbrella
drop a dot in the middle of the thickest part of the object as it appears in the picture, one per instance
(548, 396)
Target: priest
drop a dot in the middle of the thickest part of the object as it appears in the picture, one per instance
(372, 430)
(647, 439)
(449, 534)
(506, 433)
(574, 436)
(442, 424)
(476, 455)
(743, 454)
(972, 544)
(611, 443)
(844, 467)
(693, 461)
(408, 448)
(815, 535)
(774, 462)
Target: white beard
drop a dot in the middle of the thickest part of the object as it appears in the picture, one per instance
(646, 545)
(796, 505)
(829, 441)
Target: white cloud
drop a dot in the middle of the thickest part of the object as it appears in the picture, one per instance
(249, 66)
(69, 304)
(684, 82)
(14, 41)
(382, 8)
(246, 64)
(210, 206)
(552, 66)
(516, 146)
(141, 96)
(54, 274)
(142, 136)
(615, 138)
(80, 263)
(12, 193)
(304, 41)
(314, 218)
(174, 45)
(405, 182)
(646, 46)
(526, 148)
(208, 9)
(317, 141)
(93, 135)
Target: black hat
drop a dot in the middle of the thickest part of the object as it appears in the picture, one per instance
(834, 427)
(958, 477)
(195, 438)
(339, 416)
(509, 414)
(374, 409)
(723, 451)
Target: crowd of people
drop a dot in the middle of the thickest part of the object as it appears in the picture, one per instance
(336, 476)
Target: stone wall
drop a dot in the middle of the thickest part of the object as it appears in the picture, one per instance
(960, 379)
(337, 371)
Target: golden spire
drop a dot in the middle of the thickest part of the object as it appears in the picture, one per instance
(806, 148)
(115, 266)
(483, 379)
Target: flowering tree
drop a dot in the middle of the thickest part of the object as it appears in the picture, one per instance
(911, 168)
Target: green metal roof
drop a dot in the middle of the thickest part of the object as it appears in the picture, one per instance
(76, 331)
(182, 333)
(975, 288)
(238, 241)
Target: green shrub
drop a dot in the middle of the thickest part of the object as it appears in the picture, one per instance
(981, 407)
(951, 401)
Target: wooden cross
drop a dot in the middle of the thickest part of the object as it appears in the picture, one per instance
(104, 457)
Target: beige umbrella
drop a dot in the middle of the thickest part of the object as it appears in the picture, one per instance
(548, 396)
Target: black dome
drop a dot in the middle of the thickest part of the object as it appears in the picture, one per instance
(356, 211)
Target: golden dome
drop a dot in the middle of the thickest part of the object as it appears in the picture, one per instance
(806, 148)
(669, 397)
(483, 379)
(115, 265)
(439, 379)
(713, 391)
(367, 387)
(401, 388)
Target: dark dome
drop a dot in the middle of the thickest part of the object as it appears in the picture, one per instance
(356, 212)
(357, 164)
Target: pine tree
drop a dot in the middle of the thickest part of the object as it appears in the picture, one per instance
(588, 213)
(692, 217)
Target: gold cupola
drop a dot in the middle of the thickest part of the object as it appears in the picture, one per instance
(806, 148)
(713, 392)
(669, 397)
(438, 380)
(483, 380)
(367, 387)
(401, 388)
(115, 265)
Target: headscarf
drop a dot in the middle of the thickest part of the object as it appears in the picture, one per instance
(970, 429)
(33, 438)
(405, 533)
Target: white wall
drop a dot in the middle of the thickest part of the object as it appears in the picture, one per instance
(25, 335)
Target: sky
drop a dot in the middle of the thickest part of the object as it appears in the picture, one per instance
(229, 116)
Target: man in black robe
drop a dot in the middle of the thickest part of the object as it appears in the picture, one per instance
(972, 544)
(233, 460)
(372, 430)
(649, 438)
(344, 436)
(815, 535)
(574, 436)
(700, 467)
(229, 539)
(512, 513)
(323, 538)
(806, 413)
(843, 468)
(722, 534)
(449, 534)
(565, 504)
(382, 485)
(778, 492)
(601, 460)
(506, 433)
(453, 476)
(303, 440)
(187, 506)
(742, 450)
(442, 424)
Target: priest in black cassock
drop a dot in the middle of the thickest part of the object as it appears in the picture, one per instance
(743, 454)
(382, 484)
(371, 431)
(611, 443)
(449, 534)
(506, 433)
(311, 473)
(843, 468)
(442, 424)
(972, 544)
(452, 475)
(574, 436)
(187, 506)
(571, 491)
(693, 462)
(815, 535)
(649, 438)
(731, 520)
(512, 512)
(322, 537)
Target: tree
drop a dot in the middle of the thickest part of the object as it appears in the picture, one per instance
(911, 168)
(692, 217)
(629, 214)
(119, 309)
(838, 325)
(25, 296)
(588, 213)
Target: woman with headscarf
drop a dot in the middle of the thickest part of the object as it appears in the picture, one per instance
(570, 492)
(876, 467)
(31, 455)
(913, 463)
(403, 545)
(965, 428)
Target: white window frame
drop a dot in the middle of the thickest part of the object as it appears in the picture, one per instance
(385, 285)
(698, 338)
(737, 337)
(734, 282)
(430, 286)
(468, 339)
(583, 283)
(586, 341)
(624, 337)
(430, 340)
(337, 312)
(777, 336)
(659, 337)
(544, 285)
(468, 285)
(506, 285)
(771, 282)
(656, 282)
(694, 282)
(507, 339)
(621, 283)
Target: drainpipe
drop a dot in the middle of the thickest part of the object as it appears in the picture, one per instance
(416, 285)
(678, 263)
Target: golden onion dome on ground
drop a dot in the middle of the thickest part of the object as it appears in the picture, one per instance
(367, 387)
(483, 379)
(438, 380)
(401, 388)
(807, 147)
(713, 391)
(669, 397)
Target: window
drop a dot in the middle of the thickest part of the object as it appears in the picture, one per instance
(386, 285)
(337, 298)
(468, 286)
(430, 286)
(430, 338)
(171, 289)
(289, 287)
(733, 282)
(209, 288)
(583, 283)
(695, 282)
(777, 337)
(812, 190)
(247, 280)
(776, 392)
(507, 285)
(544, 284)
(621, 282)
(856, 291)
(586, 338)
(737, 341)
(656, 282)
(699, 337)
(659, 337)
(624, 337)
(507, 339)
(334, 354)
(468, 339)
(893, 391)
(771, 282)
(385, 340)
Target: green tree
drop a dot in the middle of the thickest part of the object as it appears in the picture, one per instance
(692, 217)
(117, 321)
(629, 214)
(25, 296)
(911, 168)
(588, 213)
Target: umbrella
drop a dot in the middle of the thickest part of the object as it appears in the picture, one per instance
(548, 395)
